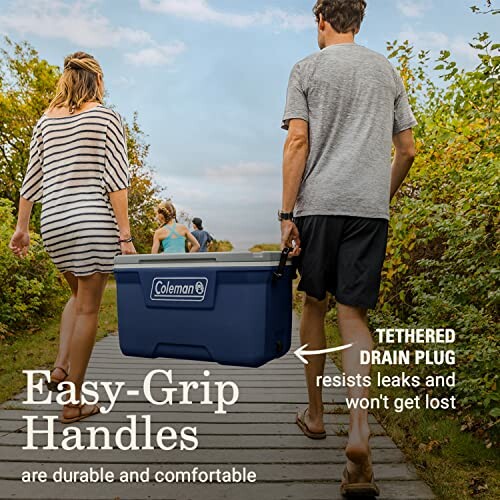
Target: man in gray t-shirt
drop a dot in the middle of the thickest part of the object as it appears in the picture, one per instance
(354, 102)
(346, 107)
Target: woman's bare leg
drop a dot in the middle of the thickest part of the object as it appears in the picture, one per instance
(66, 329)
(88, 303)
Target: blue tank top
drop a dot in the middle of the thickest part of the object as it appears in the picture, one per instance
(174, 242)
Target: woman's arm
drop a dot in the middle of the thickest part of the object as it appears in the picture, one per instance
(23, 218)
(31, 192)
(195, 246)
(119, 202)
(156, 243)
(20, 241)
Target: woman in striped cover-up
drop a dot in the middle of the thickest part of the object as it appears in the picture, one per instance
(78, 170)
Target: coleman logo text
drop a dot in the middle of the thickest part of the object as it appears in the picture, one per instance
(179, 289)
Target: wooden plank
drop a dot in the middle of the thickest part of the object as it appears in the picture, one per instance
(11, 425)
(201, 456)
(184, 417)
(253, 377)
(220, 428)
(197, 394)
(113, 352)
(215, 370)
(293, 386)
(135, 407)
(137, 380)
(221, 442)
(245, 396)
(268, 473)
(408, 490)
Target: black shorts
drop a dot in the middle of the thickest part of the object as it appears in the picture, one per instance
(342, 255)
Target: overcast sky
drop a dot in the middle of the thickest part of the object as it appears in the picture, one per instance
(208, 79)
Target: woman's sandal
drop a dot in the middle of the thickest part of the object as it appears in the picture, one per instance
(53, 384)
(94, 410)
(301, 422)
(358, 490)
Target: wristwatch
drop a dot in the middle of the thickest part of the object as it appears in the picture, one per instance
(284, 215)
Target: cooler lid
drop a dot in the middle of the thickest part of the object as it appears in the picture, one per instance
(200, 259)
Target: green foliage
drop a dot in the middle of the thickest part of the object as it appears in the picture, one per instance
(221, 246)
(31, 287)
(266, 247)
(29, 350)
(442, 266)
(27, 85)
(488, 9)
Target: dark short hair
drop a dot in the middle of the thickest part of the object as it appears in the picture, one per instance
(343, 15)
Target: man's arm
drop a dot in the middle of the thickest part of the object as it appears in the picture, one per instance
(295, 156)
(403, 159)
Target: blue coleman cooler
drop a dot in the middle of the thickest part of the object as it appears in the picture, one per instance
(230, 308)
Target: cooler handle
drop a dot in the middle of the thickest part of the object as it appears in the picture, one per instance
(278, 274)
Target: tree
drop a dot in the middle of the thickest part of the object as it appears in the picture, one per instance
(144, 193)
(26, 87)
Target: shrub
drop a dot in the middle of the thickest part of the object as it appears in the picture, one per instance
(32, 287)
(221, 246)
(266, 247)
(442, 265)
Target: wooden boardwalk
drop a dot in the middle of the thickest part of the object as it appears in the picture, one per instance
(258, 433)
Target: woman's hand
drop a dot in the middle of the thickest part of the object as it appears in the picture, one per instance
(20, 242)
(195, 245)
(127, 248)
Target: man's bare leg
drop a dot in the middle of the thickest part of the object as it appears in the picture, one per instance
(312, 332)
(354, 330)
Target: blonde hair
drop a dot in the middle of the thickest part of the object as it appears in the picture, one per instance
(167, 209)
(79, 83)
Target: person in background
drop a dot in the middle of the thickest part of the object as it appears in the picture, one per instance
(203, 237)
(171, 237)
(346, 107)
(78, 169)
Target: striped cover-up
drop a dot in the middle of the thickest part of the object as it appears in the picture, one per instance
(74, 163)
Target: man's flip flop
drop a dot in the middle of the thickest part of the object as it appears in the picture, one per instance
(358, 490)
(301, 422)
(94, 410)
(52, 385)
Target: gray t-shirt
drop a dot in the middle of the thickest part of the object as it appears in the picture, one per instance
(354, 101)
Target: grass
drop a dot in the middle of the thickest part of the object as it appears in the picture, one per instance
(38, 349)
(455, 464)
(266, 247)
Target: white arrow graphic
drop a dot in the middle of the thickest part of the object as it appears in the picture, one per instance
(302, 351)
